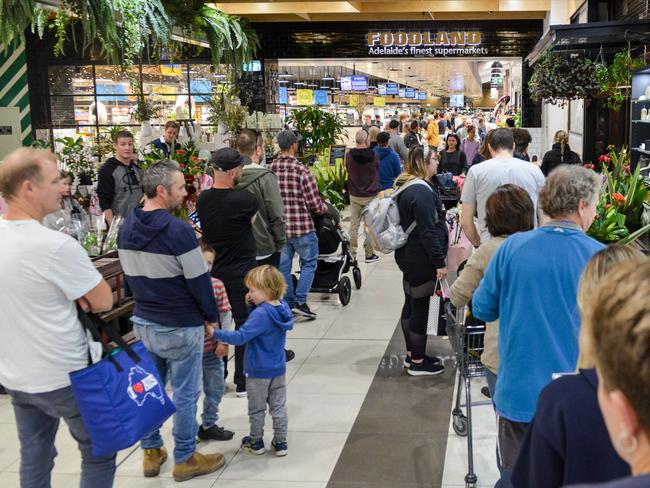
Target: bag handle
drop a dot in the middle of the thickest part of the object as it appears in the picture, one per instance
(95, 324)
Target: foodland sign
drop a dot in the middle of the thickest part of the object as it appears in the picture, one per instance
(414, 43)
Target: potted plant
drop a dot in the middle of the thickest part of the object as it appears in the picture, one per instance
(78, 158)
(558, 78)
(227, 111)
(615, 80)
(319, 130)
(332, 184)
(143, 112)
(621, 203)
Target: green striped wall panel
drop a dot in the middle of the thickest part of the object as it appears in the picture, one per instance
(14, 90)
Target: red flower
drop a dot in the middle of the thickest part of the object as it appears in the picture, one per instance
(189, 179)
(191, 190)
(608, 206)
(627, 169)
(618, 198)
(589, 166)
(181, 152)
(604, 158)
(195, 159)
(182, 165)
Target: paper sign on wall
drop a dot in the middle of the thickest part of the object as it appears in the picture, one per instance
(379, 101)
(354, 100)
(305, 97)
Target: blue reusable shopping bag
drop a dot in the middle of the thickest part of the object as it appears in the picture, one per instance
(121, 397)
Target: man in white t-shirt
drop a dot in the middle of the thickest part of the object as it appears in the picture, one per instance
(44, 275)
(482, 179)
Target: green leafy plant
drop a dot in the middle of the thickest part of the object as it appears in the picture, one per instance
(318, 128)
(615, 80)
(558, 78)
(15, 17)
(332, 183)
(620, 205)
(227, 109)
(78, 157)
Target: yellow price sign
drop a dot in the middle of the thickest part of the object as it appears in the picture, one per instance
(305, 97)
(379, 101)
(354, 100)
(171, 70)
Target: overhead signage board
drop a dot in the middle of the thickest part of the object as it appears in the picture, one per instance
(354, 100)
(381, 89)
(422, 95)
(392, 89)
(305, 97)
(359, 83)
(409, 93)
(284, 95)
(402, 92)
(346, 83)
(379, 101)
(428, 43)
(321, 97)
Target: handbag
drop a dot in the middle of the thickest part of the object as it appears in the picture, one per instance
(121, 397)
(436, 320)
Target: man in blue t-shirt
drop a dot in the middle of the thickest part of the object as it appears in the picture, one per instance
(530, 286)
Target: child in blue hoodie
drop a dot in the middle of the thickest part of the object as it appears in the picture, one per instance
(264, 334)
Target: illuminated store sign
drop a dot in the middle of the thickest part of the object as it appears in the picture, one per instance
(441, 43)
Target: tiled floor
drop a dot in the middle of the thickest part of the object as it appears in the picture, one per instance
(338, 357)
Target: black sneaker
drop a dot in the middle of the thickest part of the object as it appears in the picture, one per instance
(485, 391)
(304, 311)
(289, 354)
(241, 391)
(431, 359)
(373, 258)
(215, 433)
(425, 368)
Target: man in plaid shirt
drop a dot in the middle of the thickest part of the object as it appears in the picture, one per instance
(301, 200)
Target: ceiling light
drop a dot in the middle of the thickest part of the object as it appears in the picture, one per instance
(324, 87)
(300, 83)
(285, 74)
(283, 81)
(327, 77)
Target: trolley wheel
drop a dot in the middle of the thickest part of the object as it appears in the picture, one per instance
(460, 425)
(356, 276)
(345, 290)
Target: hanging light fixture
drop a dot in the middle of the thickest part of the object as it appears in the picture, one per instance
(285, 74)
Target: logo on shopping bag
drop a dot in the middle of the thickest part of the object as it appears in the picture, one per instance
(143, 384)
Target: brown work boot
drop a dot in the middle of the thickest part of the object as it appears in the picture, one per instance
(197, 465)
(153, 459)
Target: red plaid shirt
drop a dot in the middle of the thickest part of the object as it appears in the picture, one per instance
(299, 194)
(223, 305)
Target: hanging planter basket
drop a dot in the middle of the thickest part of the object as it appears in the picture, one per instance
(558, 79)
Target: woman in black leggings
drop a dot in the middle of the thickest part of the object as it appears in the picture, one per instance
(422, 258)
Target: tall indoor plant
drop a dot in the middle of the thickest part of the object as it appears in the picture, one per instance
(319, 129)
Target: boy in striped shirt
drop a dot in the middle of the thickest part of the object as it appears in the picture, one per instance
(214, 383)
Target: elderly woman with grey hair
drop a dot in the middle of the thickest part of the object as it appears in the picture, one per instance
(530, 286)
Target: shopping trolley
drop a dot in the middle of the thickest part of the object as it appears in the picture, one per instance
(466, 337)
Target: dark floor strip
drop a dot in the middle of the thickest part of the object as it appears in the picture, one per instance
(399, 438)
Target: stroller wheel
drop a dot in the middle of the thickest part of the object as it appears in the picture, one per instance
(345, 290)
(356, 275)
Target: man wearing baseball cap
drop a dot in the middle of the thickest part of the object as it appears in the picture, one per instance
(301, 201)
(226, 217)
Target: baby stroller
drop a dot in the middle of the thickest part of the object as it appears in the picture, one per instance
(334, 258)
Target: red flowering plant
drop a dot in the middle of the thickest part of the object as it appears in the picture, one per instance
(620, 205)
(192, 167)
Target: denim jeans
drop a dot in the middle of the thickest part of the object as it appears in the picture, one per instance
(177, 354)
(37, 420)
(307, 248)
(492, 386)
(214, 385)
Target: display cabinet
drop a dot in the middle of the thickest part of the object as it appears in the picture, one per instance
(640, 117)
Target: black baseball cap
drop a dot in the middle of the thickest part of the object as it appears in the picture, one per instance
(288, 137)
(226, 159)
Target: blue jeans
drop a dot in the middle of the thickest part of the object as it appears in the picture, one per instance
(307, 248)
(491, 378)
(176, 352)
(214, 385)
(37, 419)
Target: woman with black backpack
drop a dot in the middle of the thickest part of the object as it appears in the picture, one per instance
(561, 153)
(422, 259)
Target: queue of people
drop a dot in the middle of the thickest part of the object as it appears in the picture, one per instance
(193, 299)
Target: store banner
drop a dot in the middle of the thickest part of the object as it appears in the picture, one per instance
(284, 95)
(201, 86)
(379, 101)
(409, 93)
(305, 97)
(354, 100)
(321, 97)
(171, 70)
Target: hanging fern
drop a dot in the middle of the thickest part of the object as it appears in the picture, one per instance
(15, 17)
